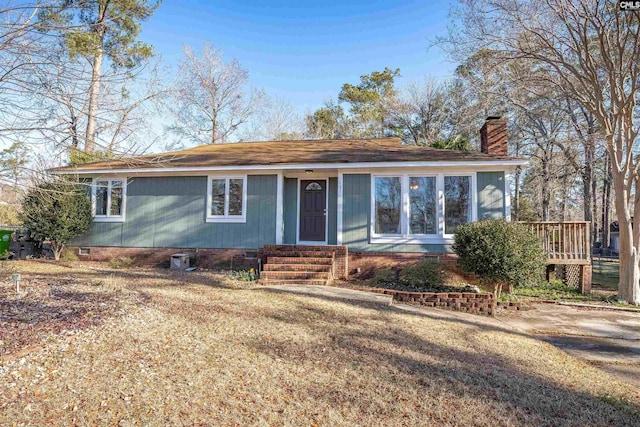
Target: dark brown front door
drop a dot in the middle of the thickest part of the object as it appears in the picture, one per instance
(313, 210)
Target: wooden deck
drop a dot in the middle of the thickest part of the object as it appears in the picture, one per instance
(567, 244)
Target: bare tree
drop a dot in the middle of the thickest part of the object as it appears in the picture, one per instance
(275, 120)
(420, 111)
(210, 102)
(590, 52)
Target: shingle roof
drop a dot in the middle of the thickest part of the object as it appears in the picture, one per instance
(291, 153)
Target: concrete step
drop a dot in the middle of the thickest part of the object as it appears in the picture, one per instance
(297, 267)
(284, 275)
(298, 260)
(318, 282)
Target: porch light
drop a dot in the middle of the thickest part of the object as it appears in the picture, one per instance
(414, 186)
(308, 171)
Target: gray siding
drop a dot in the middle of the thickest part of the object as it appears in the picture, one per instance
(491, 190)
(356, 199)
(171, 211)
(290, 210)
(332, 212)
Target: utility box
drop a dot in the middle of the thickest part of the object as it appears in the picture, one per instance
(179, 261)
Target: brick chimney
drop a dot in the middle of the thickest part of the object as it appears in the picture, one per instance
(493, 136)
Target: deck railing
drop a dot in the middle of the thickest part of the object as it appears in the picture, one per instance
(566, 242)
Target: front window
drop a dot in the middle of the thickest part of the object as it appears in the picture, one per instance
(423, 208)
(227, 199)
(457, 202)
(108, 199)
(388, 199)
(414, 208)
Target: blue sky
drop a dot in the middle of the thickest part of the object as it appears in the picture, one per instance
(304, 52)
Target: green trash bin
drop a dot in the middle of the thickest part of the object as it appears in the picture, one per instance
(5, 240)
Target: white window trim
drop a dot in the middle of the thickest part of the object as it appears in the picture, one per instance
(226, 218)
(108, 217)
(405, 237)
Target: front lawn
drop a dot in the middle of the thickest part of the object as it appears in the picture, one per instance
(606, 273)
(198, 349)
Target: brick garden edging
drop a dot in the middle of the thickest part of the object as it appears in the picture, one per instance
(469, 302)
(509, 305)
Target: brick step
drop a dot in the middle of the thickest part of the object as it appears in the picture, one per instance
(284, 275)
(272, 248)
(313, 254)
(297, 267)
(299, 260)
(317, 282)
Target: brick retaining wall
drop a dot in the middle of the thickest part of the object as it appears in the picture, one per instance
(370, 262)
(224, 259)
(469, 302)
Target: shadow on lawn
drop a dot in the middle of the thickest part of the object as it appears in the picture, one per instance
(439, 370)
(483, 323)
(163, 277)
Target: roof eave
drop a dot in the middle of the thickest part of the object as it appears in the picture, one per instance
(503, 164)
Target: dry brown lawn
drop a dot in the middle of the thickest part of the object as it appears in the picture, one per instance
(151, 347)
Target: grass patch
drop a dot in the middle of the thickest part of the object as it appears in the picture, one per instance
(606, 273)
(558, 291)
(121, 262)
(200, 351)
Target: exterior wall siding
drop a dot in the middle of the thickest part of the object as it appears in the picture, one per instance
(491, 191)
(169, 212)
(290, 210)
(332, 212)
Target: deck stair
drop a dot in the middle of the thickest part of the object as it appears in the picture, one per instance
(285, 264)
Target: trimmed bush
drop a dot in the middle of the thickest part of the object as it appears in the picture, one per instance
(384, 276)
(425, 274)
(500, 252)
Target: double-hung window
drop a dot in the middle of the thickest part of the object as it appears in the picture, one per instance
(227, 199)
(415, 208)
(108, 199)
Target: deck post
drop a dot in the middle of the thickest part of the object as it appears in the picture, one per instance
(585, 278)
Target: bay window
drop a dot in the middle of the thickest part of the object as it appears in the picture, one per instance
(226, 199)
(416, 208)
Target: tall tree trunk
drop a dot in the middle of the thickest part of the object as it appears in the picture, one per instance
(629, 285)
(94, 96)
(96, 77)
(563, 200)
(516, 197)
(606, 202)
(587, 183)
(626, 205)
(545, 189)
